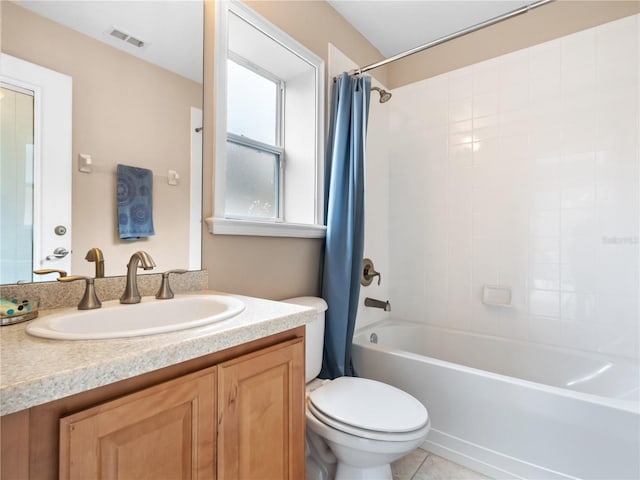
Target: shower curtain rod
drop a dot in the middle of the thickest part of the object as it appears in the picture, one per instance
(452, 36)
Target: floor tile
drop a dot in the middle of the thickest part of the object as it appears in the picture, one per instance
(437, 468)
(407, 466)
(421, 465)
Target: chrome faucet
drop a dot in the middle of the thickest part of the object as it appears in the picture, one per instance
(95, 255)
(372, 302)
(138, 259)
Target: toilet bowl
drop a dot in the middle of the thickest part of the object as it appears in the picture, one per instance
(365, 424)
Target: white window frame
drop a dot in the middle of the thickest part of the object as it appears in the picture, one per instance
(218, 224)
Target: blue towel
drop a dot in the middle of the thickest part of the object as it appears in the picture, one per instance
(135, 202)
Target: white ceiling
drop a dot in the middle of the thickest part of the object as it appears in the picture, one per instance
(394, 26)
(172, 30)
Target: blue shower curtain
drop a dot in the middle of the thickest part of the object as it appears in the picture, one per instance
(344, 207)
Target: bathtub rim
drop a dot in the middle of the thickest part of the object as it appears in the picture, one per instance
(631, 406)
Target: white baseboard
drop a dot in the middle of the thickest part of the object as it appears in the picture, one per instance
(488, 462)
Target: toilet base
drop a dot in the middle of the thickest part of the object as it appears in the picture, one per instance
(347, 472)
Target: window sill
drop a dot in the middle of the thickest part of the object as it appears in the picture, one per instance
(225, 226)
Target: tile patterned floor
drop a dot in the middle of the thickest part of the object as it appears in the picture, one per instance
(421, 465)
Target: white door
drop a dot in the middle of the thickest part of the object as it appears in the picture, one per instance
(48, 162)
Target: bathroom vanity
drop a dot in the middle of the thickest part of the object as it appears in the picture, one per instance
(224, 401)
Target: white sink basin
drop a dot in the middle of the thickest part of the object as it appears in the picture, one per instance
(148, 317)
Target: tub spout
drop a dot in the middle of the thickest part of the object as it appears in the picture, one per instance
(372, 302)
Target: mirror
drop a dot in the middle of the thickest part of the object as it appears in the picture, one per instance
(136, 70)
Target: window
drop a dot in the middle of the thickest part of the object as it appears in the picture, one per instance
(270, 112)
(254, 142)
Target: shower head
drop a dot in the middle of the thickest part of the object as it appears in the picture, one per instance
(384, 95)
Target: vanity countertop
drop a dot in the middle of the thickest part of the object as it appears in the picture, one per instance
(36, 370)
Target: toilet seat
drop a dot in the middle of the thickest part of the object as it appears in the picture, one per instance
(368, 409)
(363, 433)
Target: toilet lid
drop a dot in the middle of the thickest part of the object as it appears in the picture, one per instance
(419, 434)
(370, 405)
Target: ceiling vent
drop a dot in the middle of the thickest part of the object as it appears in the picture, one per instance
(125, 37)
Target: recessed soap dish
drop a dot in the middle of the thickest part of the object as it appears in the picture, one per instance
(496, 295)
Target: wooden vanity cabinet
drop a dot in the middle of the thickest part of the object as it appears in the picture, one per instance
(236, 414)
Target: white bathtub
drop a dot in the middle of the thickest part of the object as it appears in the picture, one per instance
(512, 409)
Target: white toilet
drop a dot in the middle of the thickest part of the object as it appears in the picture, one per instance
(355, 426)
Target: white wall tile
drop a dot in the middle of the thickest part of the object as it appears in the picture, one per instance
(579, 335)
(617, 270)
(541, 329)
(513, 98)
(485, 104)
(579, 307)
(544, 303)
(486, 77)
(460, 109)
(544, 249)
(485, 128)
(579, 52)
(460, 84)
(524, 170)
(617, 52)
(618, 339)
(616, 180)
(545, 276)
(577, 223)
(545, 224)
(613, 309)
(545, 72)
(514, 70)
(579, 63)
(543, 199)
(579, 130)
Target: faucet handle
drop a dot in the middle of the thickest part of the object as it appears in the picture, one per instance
(368, 273)
(165, 292)
(89, 300)
(46, 271)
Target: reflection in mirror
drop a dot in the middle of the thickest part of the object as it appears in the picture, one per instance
(137, 100)
(16, 181)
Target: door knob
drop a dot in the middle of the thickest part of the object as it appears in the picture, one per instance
(59, 252)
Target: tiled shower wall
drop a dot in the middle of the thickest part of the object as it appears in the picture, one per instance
(523, 171)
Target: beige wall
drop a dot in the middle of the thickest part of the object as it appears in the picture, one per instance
(545, 23)
(125, 111)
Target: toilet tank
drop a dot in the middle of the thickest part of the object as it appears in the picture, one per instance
(314, 336)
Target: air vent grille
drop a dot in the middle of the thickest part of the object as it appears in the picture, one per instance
(125, 37)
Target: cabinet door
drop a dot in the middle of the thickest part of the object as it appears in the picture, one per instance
(163, 432)
(261, 415)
